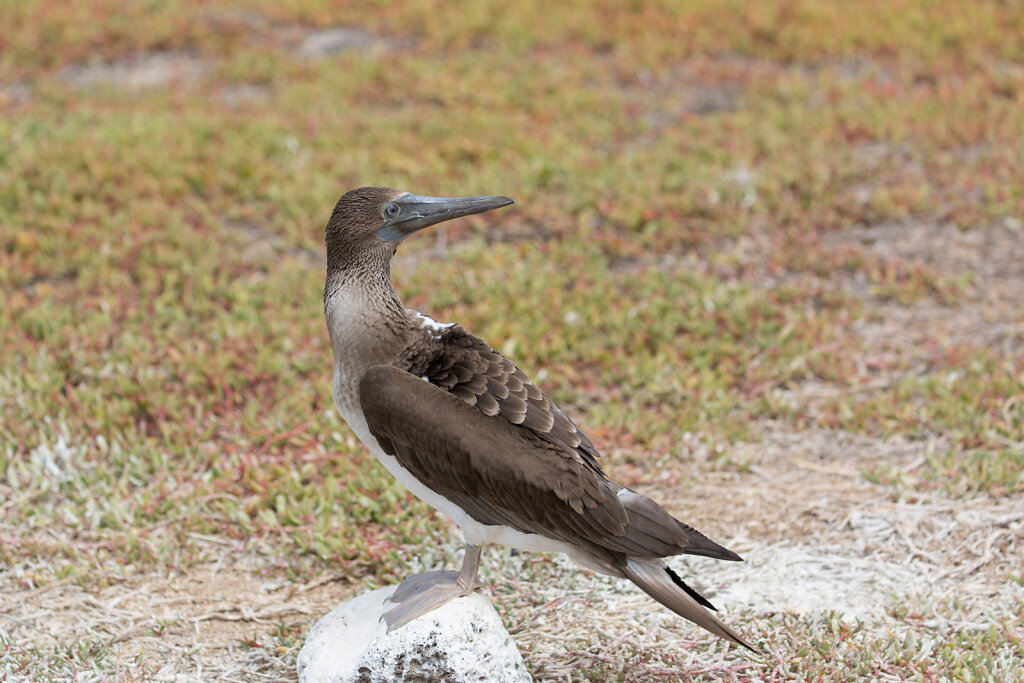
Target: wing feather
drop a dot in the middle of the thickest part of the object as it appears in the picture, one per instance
(515, 459)
(469, 368)
(502, 474)
(493, 469)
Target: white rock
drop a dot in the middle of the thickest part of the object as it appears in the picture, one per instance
(463, 640)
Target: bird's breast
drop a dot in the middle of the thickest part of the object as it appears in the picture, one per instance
(363, 334)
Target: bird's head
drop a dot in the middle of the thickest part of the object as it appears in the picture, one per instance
(373, 220)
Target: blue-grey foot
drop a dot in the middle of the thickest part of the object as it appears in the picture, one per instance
(414, 584)
(423, 593)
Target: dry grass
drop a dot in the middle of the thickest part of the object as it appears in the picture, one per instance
(844, 563)
(234, 617)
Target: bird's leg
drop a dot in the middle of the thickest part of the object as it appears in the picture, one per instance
(422, 593)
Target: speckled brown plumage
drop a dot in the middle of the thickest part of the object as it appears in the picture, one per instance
(467, 367)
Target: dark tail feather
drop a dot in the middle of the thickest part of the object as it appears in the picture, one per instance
(699, 544)
(689, 591)
(652, 531)
(662, 584)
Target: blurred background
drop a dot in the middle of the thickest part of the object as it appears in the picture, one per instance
(770, 256)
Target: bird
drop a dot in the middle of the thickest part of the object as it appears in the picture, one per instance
(464, 429)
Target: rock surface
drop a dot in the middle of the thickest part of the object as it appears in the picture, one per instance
(460, 642)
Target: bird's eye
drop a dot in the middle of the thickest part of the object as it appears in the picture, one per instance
(391, 210)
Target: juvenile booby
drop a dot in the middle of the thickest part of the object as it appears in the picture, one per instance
(466, 431)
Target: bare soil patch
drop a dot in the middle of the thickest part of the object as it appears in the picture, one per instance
(806, 494)
(991, 313)
(816, 535)
(236, 618)
(155, 68)
(147, 70)
(818, 539)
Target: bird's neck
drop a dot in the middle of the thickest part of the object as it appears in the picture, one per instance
(367, 324)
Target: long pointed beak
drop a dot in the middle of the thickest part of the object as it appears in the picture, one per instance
(411, 212)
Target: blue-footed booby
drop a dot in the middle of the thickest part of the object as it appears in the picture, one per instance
(466, 431)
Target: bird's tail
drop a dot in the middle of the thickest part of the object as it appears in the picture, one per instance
(665, 586)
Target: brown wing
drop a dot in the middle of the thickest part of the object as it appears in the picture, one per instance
(496, 471)
(468, 368)
(502, 474)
